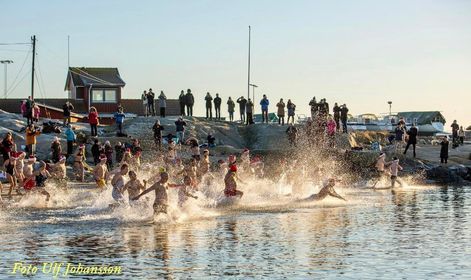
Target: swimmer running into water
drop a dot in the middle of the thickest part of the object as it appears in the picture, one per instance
(118, 184)
(327, 189)
(230, 181)
(161, 196)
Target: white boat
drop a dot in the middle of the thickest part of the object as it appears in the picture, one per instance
(428, 123)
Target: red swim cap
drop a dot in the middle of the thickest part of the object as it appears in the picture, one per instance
(234, 168)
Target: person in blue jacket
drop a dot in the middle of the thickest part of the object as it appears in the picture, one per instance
(119, 117)
(71, 137)
(264, 103)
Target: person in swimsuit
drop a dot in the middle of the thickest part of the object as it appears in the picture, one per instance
(161, 196)
(230, 181)
(327, 189)
(40, 176)
(10, 170)
(19, 166)
(134, 185)
(78, 163)
(118, 184)
(380, 164)
(100, 172)
(185, 191)
(394, 168)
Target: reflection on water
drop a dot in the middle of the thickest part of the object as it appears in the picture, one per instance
(412, 233)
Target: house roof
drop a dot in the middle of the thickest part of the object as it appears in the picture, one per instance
(96, 76)
(425, 117)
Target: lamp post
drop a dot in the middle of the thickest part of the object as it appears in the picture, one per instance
(390, 103)
(5, 63)
(253, 91)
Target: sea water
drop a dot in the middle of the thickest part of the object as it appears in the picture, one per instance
(414, 232)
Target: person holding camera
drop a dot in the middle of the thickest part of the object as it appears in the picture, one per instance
(31, 133)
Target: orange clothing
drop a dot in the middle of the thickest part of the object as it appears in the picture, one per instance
(31, 136)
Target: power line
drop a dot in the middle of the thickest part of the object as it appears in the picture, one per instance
(19, 82)
(10, 44)
(19, 72)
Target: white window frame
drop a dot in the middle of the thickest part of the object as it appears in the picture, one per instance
(103, 94)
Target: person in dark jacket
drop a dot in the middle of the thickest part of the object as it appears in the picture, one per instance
(119, 152)
(217, 106)
(157, 128)
(182, 101)
(150, 102)
(67, 109)
(344, 117)
(97, 150)
(337, 111)
(444, 150)
(242, 104)
(189, 101)
(454, 129)
(209, 106)
(412, 133)
(180, 129)
(399, 132)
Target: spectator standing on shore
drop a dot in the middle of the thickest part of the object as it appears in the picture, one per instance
(36, 112)
(96, 151)
(119, 150)
(180, 128)
(249, 106)
(157, 128)
(337, 110)
(93, 120)
(119, 117)
(67, 110)
(31, 133)
(264, 104)
(217, 106)
(29, 110)
(399, 133)
(344, 117)
(162, 103)
(70, 137)
(444, 150)
(189, 101)
(462, 135)
(331, 130)
(24, 110)
(242, 106)
(291, 111)
(281, 112)
(144, 103)
(412, 140)
(454, 129)
(150, 102)
(182, 102)
(231, 108)
(314, 107)
(209, 106)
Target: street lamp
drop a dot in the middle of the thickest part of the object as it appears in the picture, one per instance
(253, 91)
(390, 103)
(5, 63)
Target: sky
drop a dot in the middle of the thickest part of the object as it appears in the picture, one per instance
(364, 53)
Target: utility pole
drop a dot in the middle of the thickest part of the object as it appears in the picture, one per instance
(33, 40)
(248, 82)
(5, 63)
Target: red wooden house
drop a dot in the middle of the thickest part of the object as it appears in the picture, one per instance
(95, 86)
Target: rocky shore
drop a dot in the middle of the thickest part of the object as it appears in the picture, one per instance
(270, 141)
